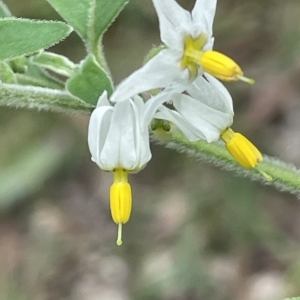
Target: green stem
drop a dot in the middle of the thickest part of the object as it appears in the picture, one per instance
(286, 177)
(28, 80)
(32, 97)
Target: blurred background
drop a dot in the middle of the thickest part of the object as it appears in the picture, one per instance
(196, 232)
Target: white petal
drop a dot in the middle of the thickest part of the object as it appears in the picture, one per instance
(161, 71)
(174, 23)
(174, 117)
(154, 103)
(145, 154)
(119, 150)
(212, 93)
(139, 103)
(103, 100)
(208, 121)
(203, 16)
(98, 129)
(142, 133)
(220, 86)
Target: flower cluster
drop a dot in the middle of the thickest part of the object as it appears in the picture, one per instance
(184, 71)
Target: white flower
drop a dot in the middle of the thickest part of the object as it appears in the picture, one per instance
(188, 39)
(204, 112)
(118, 140)
(117, 137)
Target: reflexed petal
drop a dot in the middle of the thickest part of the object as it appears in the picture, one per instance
(209, 121)
(186, 127)
(119, 150)
(103, 100)
(161, 71)
(142, 133)
(212, 93)
(225, 94)
(145, 154)
(203, 16)
(154, 103)
(174, 22)
(97, 133)
(139, 103)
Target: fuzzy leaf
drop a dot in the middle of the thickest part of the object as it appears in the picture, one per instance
(77, 16)
(102, 14)
(4, 11)
(24, 36)
(90, 81)
(54, 62)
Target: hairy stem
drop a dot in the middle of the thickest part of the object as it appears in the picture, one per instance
(39, 98)
(285, 177)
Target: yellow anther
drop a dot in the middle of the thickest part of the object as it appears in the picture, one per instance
(120, 200)
(222, 67)
(212, 62)
(241, 149)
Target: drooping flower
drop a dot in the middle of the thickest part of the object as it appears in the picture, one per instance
(188, 52)
(118, 140)
(205, 112)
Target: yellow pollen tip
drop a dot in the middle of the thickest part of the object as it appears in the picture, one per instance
(119, 238)
(120, 200)
(241, 149)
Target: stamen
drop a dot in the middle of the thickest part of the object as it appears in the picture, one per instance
(120, 200)
(241, 149)
(220, 66)
(212, 62)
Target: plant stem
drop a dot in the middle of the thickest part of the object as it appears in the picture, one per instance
(285, 177)
(32, 97)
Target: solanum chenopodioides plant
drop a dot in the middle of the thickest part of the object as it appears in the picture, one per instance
(201, 108)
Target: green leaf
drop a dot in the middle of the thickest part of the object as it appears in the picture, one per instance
(4, 11)
(102, 14)
(77, 16)
(54, 62)
(90, 81)
(90, 19)
(24, 36)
